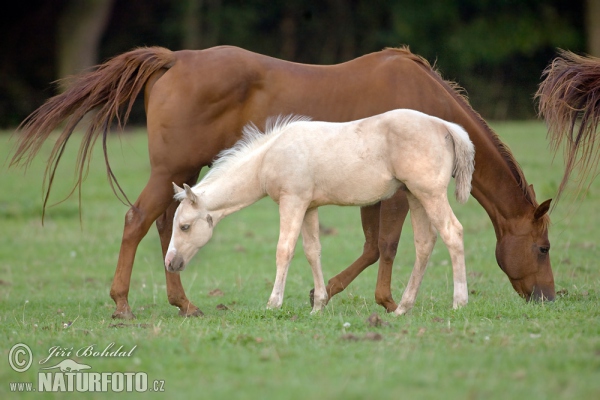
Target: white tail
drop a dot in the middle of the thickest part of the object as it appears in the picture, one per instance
(464, 161)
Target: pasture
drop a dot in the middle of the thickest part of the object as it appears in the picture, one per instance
(55, 279)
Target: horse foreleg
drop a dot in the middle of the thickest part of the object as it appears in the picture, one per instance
(425, 237)
(393, 215)
(153, 201)
(291, 215)
(175, 292)
(312, 251)
(370, 223)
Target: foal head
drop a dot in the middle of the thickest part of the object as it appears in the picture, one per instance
(192, 229)
(523, 254)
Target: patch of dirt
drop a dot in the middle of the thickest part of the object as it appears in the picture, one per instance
(124, 325)
(216, 293)
(375, 320)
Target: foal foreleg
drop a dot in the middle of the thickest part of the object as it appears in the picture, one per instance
(291, 215)
(425, 237)
(312, 251)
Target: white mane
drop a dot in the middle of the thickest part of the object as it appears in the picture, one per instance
(251, 140)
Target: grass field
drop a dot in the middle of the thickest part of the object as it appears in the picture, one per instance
(54, 283)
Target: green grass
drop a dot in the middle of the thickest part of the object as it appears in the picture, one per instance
(54, 283)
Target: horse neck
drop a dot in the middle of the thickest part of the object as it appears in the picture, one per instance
(234, 189)
(498, 184)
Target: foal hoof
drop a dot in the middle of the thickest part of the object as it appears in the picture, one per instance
(191, 313)
(311, 297)
(127, 314)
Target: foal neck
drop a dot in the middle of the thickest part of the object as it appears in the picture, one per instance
(236, 188)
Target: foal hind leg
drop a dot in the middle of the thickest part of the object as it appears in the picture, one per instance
(152, 202)
(451, 231)
(424, 237)
(312, 251)
(175, 292)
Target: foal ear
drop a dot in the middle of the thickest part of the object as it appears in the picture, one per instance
(176, 188)
(542, 209)
(209, 220)
(189, 193)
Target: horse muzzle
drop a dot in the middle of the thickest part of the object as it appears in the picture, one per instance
(542, 293)
(174, 262)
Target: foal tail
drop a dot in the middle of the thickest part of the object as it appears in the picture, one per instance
(464, 161)
(106, 89)
(569, 101)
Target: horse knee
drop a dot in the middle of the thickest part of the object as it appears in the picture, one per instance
(134, 229)
(388, 250)
(370, 253)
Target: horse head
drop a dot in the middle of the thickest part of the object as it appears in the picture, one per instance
(192, 229)
(522, 252)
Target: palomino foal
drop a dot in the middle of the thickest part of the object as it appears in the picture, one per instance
(304, 164)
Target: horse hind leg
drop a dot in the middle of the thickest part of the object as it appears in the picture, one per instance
(153, 201)
(175, 291)
(425, 237)
(312, 251)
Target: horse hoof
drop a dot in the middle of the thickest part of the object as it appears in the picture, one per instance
(127, 314)
(311, 297)
(196, 313)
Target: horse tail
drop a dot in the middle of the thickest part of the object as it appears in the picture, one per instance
(110, 89)
(569, 101)
(464, 161)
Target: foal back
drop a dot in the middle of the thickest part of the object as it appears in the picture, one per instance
(364, 161)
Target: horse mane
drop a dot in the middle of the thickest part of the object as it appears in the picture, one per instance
(459, 93)
(251, 141)
(569, 102)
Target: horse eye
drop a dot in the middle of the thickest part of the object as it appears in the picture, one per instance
(544, 250)
(184, 227)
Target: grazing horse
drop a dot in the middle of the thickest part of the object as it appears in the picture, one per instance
(303, 165)
(197, 103)
(569, 101)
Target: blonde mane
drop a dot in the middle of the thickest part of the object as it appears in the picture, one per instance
(251, 141)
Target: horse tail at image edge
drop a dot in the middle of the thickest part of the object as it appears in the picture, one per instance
(106, 90)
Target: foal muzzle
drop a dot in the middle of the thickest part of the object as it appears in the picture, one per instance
(174, 262)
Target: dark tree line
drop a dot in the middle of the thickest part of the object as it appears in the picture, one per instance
(495, 49)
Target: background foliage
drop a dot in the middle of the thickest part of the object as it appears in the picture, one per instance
(495, 49)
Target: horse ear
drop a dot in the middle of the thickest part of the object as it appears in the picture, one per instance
(542, 209)
(209, 220)
(189, 193)
(176, 188)
(531, 190)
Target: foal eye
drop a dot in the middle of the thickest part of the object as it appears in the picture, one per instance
(544, 250)
(184, 227)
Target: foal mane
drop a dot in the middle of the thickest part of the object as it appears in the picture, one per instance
(251, 141)
(460, 95)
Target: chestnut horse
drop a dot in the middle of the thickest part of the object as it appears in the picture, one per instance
(569, 101)
(303, 164)
(197, 103)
